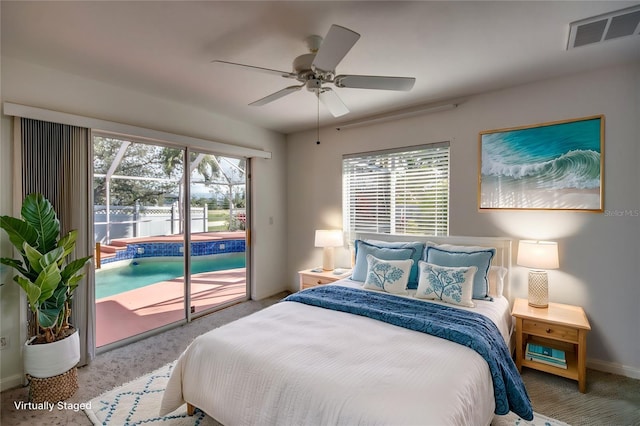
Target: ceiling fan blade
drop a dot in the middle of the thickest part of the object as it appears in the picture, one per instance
(374, 82)
(336, 44)
(277, 95)
(251, 67)
(332, 101)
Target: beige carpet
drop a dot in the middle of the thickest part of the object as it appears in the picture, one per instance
(122, 365)
(138, 402)
(610, 399)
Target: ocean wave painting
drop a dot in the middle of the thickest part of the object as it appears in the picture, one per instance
(548, 166)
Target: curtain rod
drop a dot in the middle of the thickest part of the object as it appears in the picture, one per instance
(396, 115)
(115, 128)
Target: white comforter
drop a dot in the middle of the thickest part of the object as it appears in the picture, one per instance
(294, 364)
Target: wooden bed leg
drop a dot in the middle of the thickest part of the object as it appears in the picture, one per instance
(190, 409)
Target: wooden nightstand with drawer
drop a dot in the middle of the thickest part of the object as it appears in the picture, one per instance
(309, 278)
(558, 326)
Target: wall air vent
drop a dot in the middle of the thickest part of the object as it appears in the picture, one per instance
(621, 23)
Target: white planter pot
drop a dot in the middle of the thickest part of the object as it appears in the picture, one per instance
(52, 359)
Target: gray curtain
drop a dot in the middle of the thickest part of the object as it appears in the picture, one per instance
(56, 162)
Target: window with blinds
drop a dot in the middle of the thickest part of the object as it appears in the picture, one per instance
(400, 191)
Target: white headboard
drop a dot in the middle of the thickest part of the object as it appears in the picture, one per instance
(502, 246)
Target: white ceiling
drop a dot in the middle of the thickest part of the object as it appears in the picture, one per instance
(164, 48)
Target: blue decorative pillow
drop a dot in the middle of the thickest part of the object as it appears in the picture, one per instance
(417, 255)
(454, 256)
(363, 249)
(449, 284)
(387, 275)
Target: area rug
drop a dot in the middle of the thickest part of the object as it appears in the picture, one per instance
(512, 419)
(138, 403)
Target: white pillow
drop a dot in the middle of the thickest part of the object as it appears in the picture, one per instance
(391, 276)
(496, 280)
(446, 283)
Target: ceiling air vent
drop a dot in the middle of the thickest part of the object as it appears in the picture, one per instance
(621, 23)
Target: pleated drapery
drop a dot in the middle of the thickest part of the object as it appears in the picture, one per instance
(56, 162)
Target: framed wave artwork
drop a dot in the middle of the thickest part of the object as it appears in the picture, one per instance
(548, 166)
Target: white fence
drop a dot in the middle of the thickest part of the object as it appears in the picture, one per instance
(140, 221)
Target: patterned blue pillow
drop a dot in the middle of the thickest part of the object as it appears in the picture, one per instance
(388, 275)
(449, 284)
(479, 257)
(363, 249)
(417, 255)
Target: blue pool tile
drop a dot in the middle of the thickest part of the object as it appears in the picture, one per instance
(174, 249)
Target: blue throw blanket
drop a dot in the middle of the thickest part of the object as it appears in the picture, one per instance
(457, 325)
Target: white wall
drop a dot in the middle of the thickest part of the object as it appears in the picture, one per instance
(599, 253)
(10, 358)
(29, 84)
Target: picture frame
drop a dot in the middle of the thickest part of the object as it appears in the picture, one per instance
(556, 165)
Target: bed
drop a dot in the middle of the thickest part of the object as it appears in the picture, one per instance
(315, 358)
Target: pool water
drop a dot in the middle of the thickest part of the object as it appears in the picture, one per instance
(146, 271)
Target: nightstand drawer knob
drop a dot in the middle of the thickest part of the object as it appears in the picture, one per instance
(319, 282)
(548, 330)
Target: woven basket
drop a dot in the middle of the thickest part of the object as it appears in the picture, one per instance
(53, 389)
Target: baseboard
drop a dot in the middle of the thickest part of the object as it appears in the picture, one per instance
(614, 368)
(11, 382)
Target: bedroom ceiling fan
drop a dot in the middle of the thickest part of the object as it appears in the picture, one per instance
(317, 69)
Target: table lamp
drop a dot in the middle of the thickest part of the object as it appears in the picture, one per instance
(328, 239)
(539, 256)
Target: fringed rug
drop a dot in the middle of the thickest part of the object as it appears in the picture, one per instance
(138, 403)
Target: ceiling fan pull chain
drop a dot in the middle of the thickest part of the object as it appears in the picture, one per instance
(318, 120)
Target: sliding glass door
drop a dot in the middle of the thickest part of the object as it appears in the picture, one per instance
(168, 244)
(218, 220)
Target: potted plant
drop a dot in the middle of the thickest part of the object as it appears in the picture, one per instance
(49, 280)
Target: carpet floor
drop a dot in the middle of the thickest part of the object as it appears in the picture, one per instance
(610, 399)
(138, 402)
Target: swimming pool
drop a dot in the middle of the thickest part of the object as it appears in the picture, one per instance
(144, 272)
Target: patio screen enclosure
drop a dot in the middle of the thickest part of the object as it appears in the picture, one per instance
(169, 228)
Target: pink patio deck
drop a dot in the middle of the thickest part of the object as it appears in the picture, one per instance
(136, 311)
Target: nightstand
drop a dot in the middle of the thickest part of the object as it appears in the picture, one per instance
(308, 278)
(559, 326)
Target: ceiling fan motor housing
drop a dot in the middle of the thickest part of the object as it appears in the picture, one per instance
(313, 43)
(313, 84)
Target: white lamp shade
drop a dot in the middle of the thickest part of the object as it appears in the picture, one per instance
(328, 238)
(538, 254)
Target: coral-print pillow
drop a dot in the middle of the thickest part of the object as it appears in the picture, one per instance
(449, 284)
(391, 276)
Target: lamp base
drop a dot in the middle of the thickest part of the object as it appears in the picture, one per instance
(538, 289)
(327, 259)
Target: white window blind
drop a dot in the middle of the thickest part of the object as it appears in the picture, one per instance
(401, 191)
